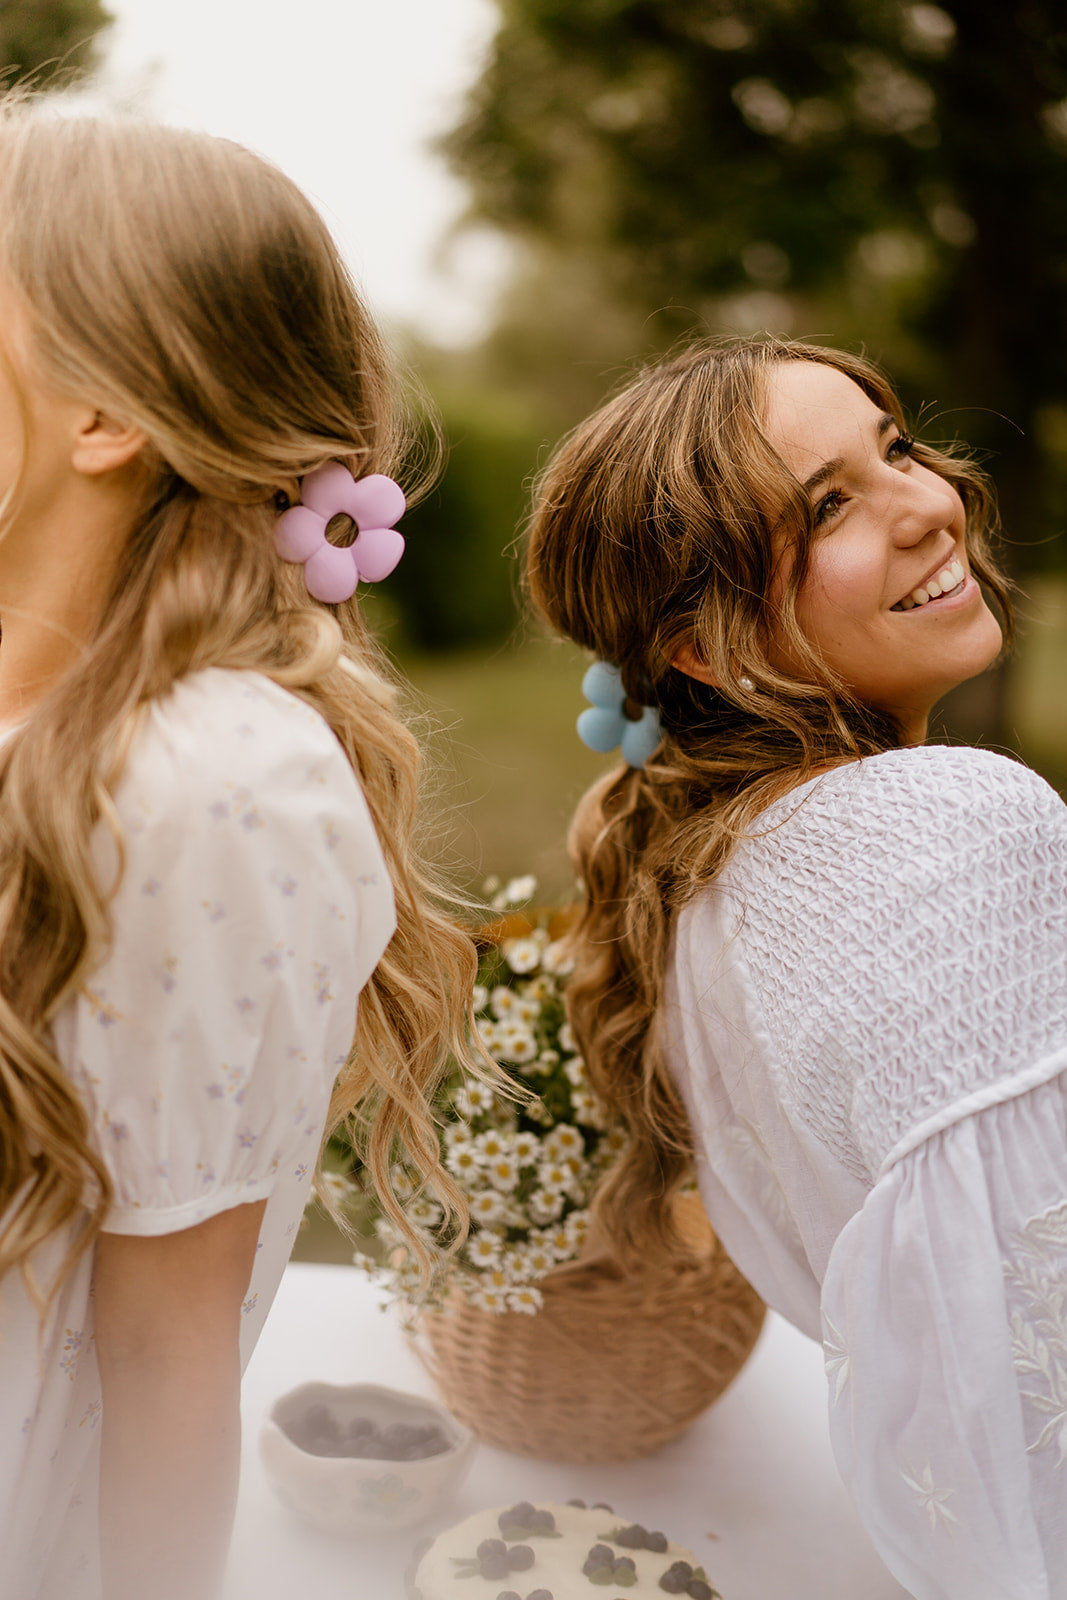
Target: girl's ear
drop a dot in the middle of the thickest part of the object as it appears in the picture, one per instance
(103, 443)
(688, 661)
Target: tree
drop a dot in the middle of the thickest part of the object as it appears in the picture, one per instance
(903, 166)
(50, 41)
(877, 171)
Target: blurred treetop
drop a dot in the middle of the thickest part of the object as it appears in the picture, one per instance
(47, 40)
(887, 172)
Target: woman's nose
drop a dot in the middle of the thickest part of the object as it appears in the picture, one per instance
(923, 503)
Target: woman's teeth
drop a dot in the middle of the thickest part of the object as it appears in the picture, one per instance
(947, 581)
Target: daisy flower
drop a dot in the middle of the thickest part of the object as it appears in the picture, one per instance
(480, 997)
(564, 1141)
(521, 955)
(337, 1187)
(488, 1299)
(483, 1250)
(473, 1099)
(457, 1135)
(544, 1207)
(556, 958)
(588, 1110)
(526, 1148)
(614, 1142)
(576, 1073)
(486, 1206)
(503, 1173)
(540, 1258)
(577, 1226)
(491, 1144)
(504, 1002)
(520, 889)
(559, 1241)
(464, 1164)
(516, 1263)
(401, 1182)
(567, 1041)
(554, 1177)
(516, 1043)
(526, 1299)
(424, 1213)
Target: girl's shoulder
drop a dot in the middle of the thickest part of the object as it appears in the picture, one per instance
(874, 840)
(232, 754)
(915, 799)
(231, 729)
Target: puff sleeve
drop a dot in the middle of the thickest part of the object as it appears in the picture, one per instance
(944, 1302)
(252, 906)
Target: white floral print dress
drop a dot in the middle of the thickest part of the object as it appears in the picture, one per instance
(253, 906)
(868, 1022)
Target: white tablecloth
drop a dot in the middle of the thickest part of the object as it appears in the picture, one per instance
(752, 1486)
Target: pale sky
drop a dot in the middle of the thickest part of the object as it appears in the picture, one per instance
(345, 96)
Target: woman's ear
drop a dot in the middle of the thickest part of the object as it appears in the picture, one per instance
(103, 443)
(688, 661)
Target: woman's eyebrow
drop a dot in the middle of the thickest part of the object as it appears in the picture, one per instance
(830, 469)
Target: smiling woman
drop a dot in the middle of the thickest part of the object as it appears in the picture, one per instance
(819, 961)
(891, 541)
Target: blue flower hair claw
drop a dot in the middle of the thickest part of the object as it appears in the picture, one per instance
(605, 724)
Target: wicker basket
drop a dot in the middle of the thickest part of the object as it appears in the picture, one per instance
(613, 1365)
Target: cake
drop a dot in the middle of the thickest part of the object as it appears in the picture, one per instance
(554, 1552)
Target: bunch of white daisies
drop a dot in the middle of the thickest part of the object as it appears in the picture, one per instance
(528, 1167)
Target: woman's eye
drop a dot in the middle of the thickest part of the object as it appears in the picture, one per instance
(828, 506)
(901, 446)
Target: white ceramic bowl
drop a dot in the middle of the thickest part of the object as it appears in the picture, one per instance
(356, 1494)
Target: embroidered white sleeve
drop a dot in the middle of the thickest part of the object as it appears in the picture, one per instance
(945, 1331)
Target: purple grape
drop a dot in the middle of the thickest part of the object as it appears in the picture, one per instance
(508, 1594)
(656, 1542)
(542, 1522)
(699, 1590)
(631, 1538)
(579, 1503)
(491, 1547)
(540, 1594)
(521, 1558)
(494, 1566)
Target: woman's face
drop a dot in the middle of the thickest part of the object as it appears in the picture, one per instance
(888, 600)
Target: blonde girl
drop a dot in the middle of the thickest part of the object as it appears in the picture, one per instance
(821, 959)
(206, 810)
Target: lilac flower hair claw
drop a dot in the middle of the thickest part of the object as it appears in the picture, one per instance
(604, 724)
(374, 504)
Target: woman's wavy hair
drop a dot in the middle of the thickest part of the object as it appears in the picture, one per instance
(186, 286)
(659, 523)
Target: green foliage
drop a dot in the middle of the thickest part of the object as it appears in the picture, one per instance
(870, 171)
(456, 584)
(50, 40)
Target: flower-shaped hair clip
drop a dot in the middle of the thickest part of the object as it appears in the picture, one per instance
(331, 571)
(604, 724)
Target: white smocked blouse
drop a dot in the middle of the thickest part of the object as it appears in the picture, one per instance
(253, 906)
(868, 1021)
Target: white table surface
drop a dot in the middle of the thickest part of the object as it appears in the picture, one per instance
(751, 1487)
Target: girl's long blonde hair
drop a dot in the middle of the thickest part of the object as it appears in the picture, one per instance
(658, 524)
(188, 287)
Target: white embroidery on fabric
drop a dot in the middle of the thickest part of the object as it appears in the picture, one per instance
(835, 1356)
(930, 1498)
(1038, 1271)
